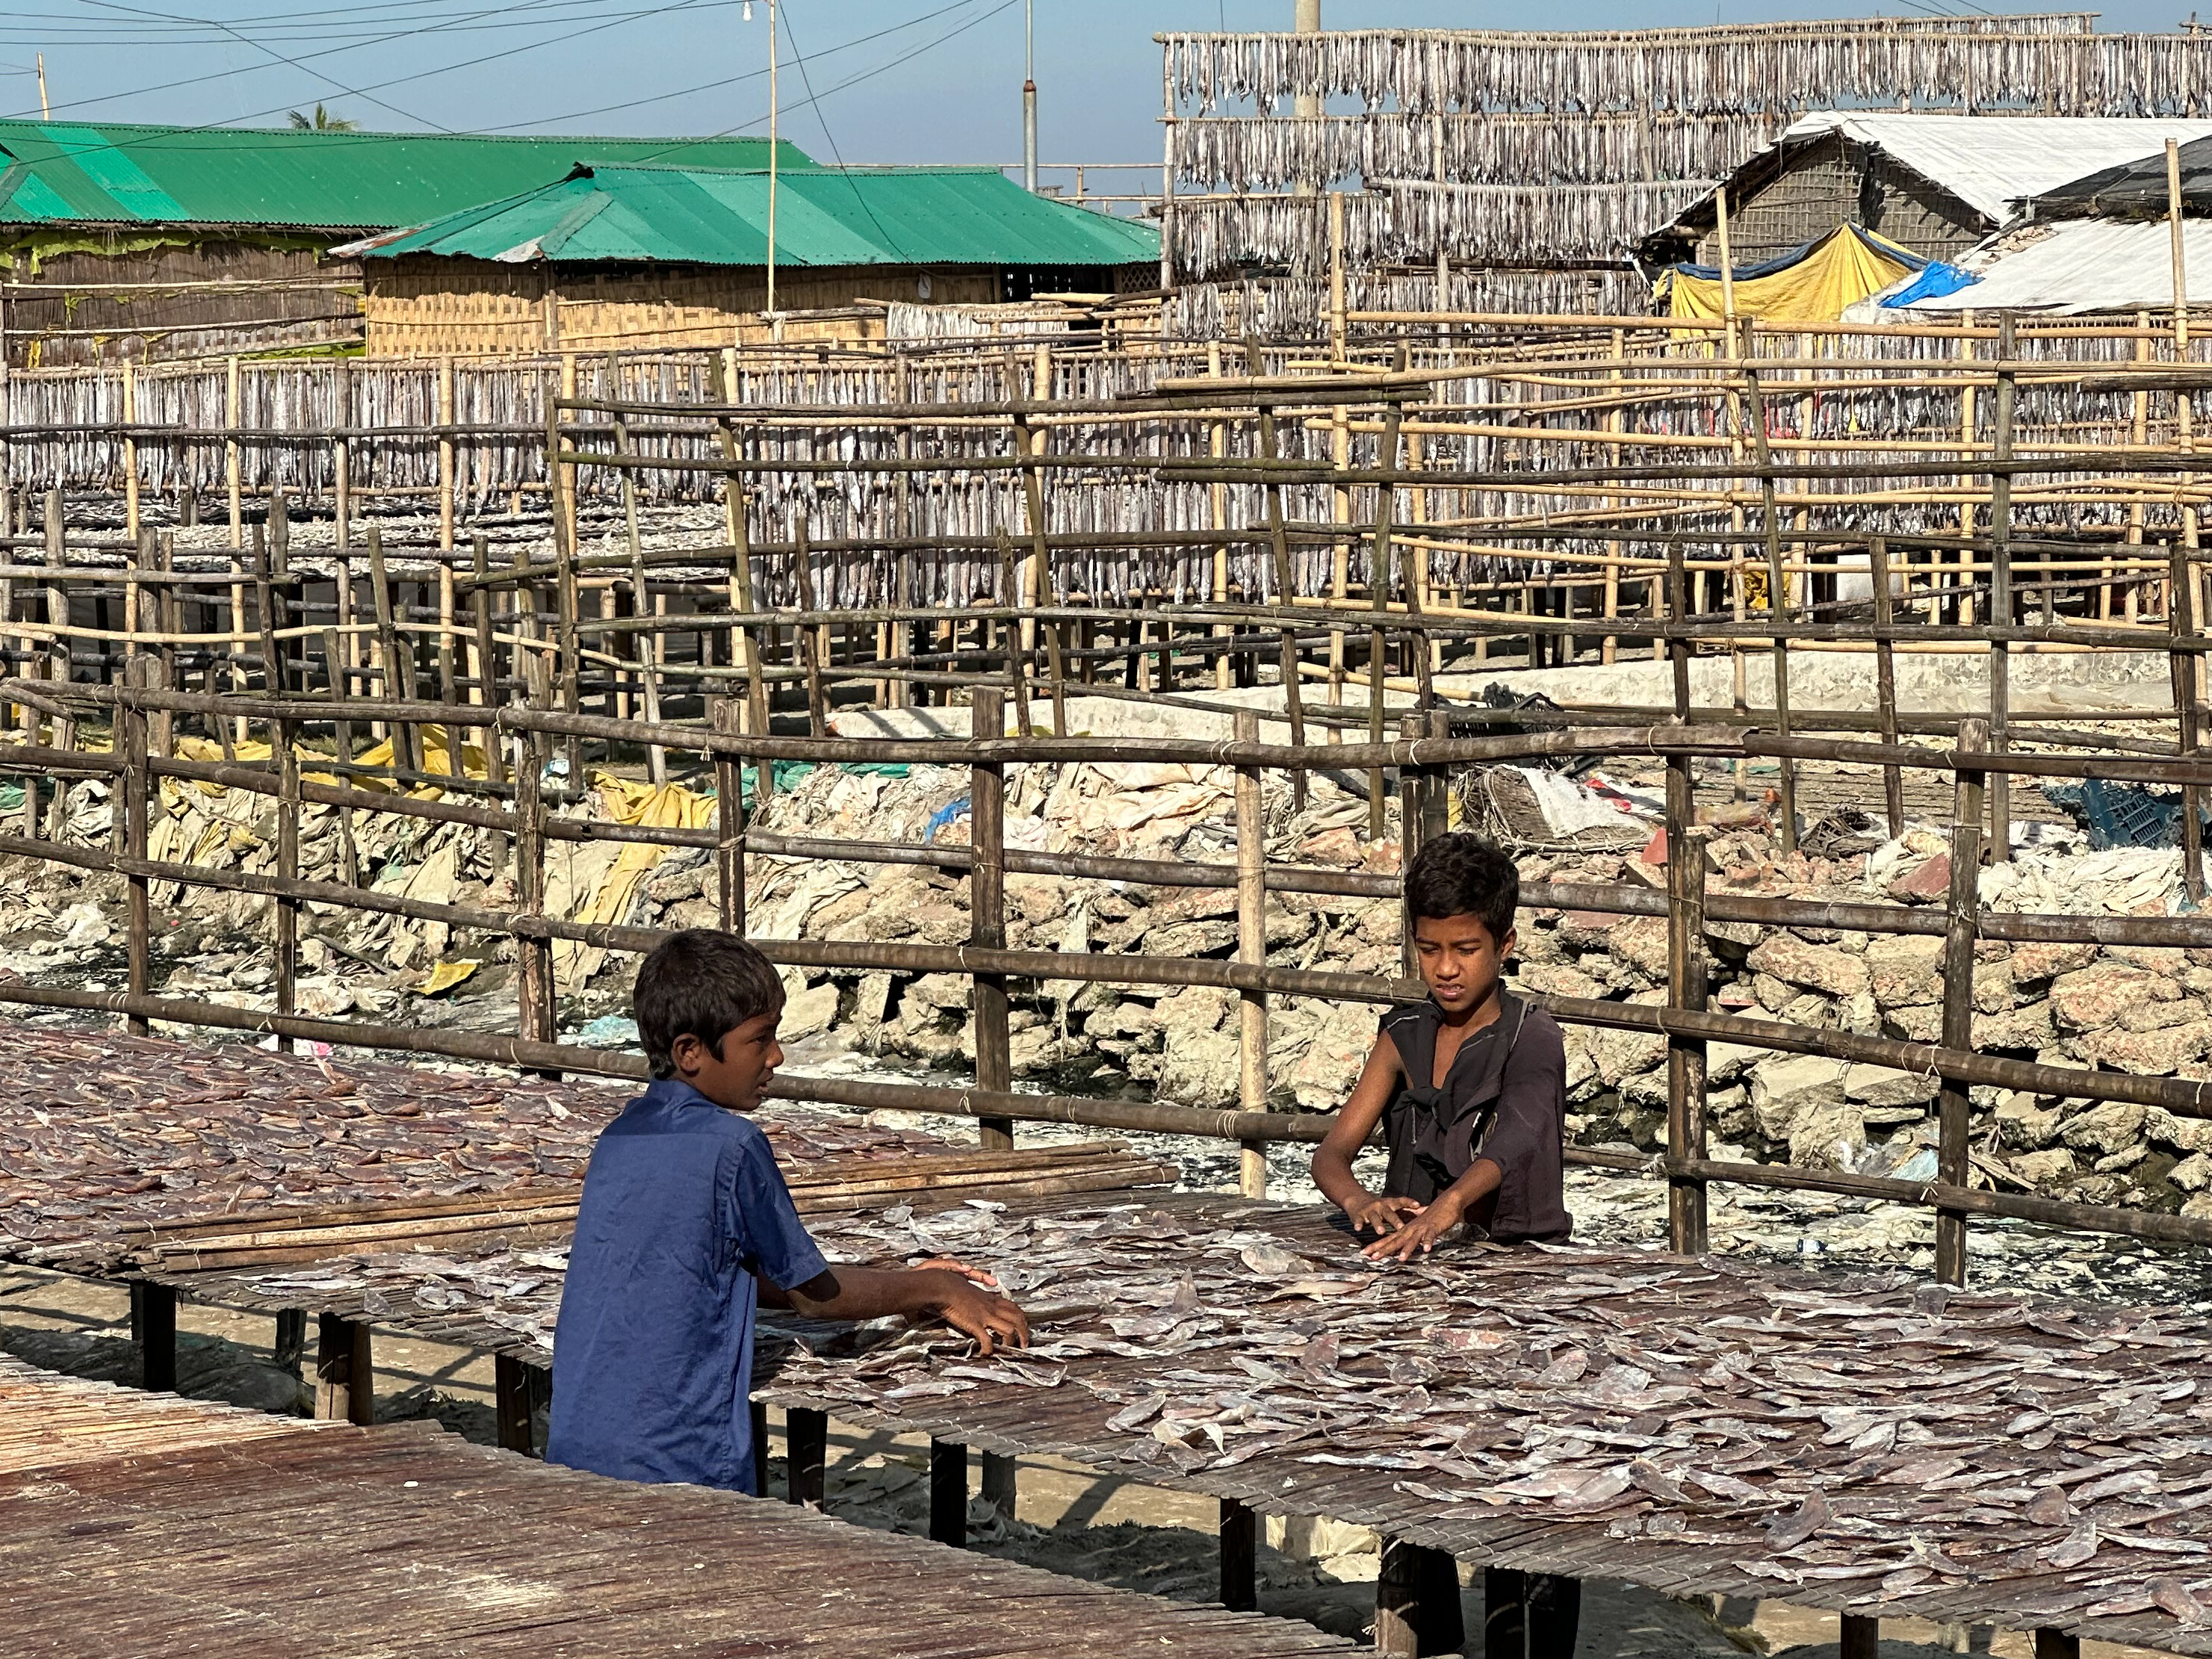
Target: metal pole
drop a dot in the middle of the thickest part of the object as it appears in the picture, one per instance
(1029, 96)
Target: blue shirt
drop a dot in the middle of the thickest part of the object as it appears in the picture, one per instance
(652, 1357)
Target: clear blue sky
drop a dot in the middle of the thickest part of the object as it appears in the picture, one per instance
(940, 81)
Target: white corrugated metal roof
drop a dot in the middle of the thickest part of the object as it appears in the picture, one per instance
(1990, 162)
(2089, 265)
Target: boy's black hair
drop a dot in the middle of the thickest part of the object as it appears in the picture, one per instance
(1464, 875)
(704, 984)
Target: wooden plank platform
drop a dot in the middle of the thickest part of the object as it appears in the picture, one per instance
(1883, 1447)
(134, 1524)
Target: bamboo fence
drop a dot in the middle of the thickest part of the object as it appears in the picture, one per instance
(711, 650)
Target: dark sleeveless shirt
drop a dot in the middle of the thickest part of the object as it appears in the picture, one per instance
(1504, 1099)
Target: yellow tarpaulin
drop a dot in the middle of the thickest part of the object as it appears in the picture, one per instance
(1843, 268)
(661, 806)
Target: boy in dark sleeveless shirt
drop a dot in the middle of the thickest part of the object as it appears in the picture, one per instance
(1470, 1089)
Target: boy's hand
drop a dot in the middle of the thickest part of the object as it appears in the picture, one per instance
(946, 1264)
(992, 1321)
(1419, 1234)
(1384, 1215)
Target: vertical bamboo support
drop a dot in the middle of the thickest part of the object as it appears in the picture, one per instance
(341, 466)
(394, 682)
(1885, 669)
(1965, 609)
(948, 1492)
(1859, 1638)
(168, 613)
(641, 604)
(533, 954)
(1778, 608)
(807, 1453)
(2138, 438)
(1381, 558)
(233, 458)
(1251, 950)
(2001, 597)
(1278, 548)
(987, 930)
(130, 452)
(135, 784)
(59, 667)
(1615, 422)
(1687, 969)
(987, 901)
(1962, 923)
(1339, 583)
(2181, 633)
(446, 471)
(1337, 321)
(906, 637)
(729, 821)
(564, 558)
(808, 641)
(345, 1372)
(1240, 1556)
(284, 911)
(1217, 503)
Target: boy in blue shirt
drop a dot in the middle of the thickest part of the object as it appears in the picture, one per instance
(685, 1227)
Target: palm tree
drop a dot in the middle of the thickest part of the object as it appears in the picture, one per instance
(322, 121)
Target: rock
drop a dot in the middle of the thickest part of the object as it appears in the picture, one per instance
(1641, 941)
(1557, 980)
(1930, 883)
(1586, 930)
(1339, 847)
(1813, 967)
(808, 1012)
(2150, 1053)
(677, 885)
(1786, 1085)
(2106, 1128)
(2045, 1169)
(841, 912)
(2198, 1207)
(2187, 1134)
(1322, 1078)
(1906, 969)
(1877, 1085)
(938, 991)
(2157, 1015)
(1993, 986)
(1199, 1061)
(2031, 963)
(1771, 993)
(872, 1001)
(2022, 1122)
(1190, 938)
(1619, 1055)
(2193, 1174)
(2025, 1029)
(2091, 998)
(1812, 1010)
(1827, 1135)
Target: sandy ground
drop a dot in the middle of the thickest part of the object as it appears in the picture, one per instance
(1069, 1519)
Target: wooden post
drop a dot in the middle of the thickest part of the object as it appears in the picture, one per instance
(1777, 593)
(1382, 558)
(1504, 1613)
(641, 605)
(809, 640)
(1337, 321)
(394, 656)
(484, 663)
(58, 617)
(1687, 1223)
(290, 1345)
(511, 1404)
(1885, 671)
(136, 784)
(564, 478)
(2052, 1643)
(1417, 1602)
(987, 930)
(1217, 507)
(342, 469)
(233, 454)
(729, 821)
(445, 455)
(806, 1455)
(345, 1372)
(153, 1329)
(284, 911)
(2181, 626)
(1860, 1638)
(1278, 545)
(2001, 603)
(533, 956)
(948, 1492)
(1963, 920)
(1240, 1557)
(1251, 949)
(130, 453)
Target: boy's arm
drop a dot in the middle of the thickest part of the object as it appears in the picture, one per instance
(1355, 1122)
(945, 1293)
(1528, 1108)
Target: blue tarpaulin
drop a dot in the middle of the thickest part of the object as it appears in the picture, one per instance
(1935, 280)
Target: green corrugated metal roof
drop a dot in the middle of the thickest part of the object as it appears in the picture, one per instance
(111, 174)
(824, 216)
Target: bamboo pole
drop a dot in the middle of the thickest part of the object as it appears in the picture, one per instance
(1962, 918)
(2001, 596)
(1251, 948)
(1893, 778)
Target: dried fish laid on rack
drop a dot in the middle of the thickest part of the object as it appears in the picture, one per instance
(1883, 1443)
(103, 1138)
(49, 1422)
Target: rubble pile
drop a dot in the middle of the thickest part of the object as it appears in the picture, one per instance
(2141, 1011)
